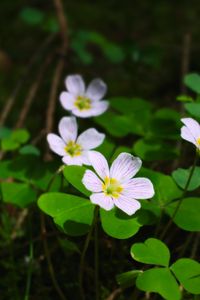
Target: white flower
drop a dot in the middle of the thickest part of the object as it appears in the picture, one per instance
(191, 131)
(116, 187)
(84, 102)
(73, 149)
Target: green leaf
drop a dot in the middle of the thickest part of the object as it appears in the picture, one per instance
(161, 281)
(121, 124)
(166, 189)
(187, 271)
(106, 148)
(127, 279)
(8, 144)
(165, 124)
(193, 82)
(13, 141)
(20, 194)
(72, 214)
(181, 177)
(118, 224)
(152, 251)
(32, 16)
(150, 150)
(135, 110)
(74, 175)
(68, 246)
(193, 109)
(188, 214)
(184, 98)
(130, 105)
(113, 52)
(5, 132)
(20, 135)
(30, 169)
(30, 149)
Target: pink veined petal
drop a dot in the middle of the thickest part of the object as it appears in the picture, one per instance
(67, 100)
(69, 160)
(56, 144)
(102, 200)
(75, 84)
(193, 126)
(186, 135)
(138, 188)
(92, 182)
(99, 107)
(96, 89)
(90, 139)
(68, 129)
(127, 205)
(125, 166)
(86, 113)
(85, 158)
(99, 163)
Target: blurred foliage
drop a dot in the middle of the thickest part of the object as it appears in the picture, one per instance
(137, 48)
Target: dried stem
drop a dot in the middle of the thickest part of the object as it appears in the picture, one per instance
(48, 258)
(86, 244)
(114, 294)
(32, 92)
(58, 71)
(11, 100)
(181, 200)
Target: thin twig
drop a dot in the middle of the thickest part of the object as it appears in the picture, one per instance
(32, 92)
(96, 260)
(114, 294)
(62, 23)
(58, 71)
(185, 62)
(30, 263)
(195, 246)
(48, 258)
(11, 100)
(86, 244)
(181, 200)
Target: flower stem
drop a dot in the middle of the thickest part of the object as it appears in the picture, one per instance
(86, 244)
(181, 200)
(96, 260)
(30, 263)
(48, 258)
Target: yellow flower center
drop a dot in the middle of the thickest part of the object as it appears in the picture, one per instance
(73, 149)
(198, 141)
(83, 103)
(111, 187)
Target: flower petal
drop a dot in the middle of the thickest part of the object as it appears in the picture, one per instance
(138, 188)
(56, 144)
(102, 200)
(67, 100)
(68, 129)
(186, 135)
(75, 84)
(92, 182)
(99, 163)
(85, 158)
(87, 113)
(99, 107)
(96, 89)
(127, 205)
(193, 126)
(90, 139)
(73, 160)
(125, 166)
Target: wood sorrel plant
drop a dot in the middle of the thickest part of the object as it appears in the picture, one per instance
(103, 203)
